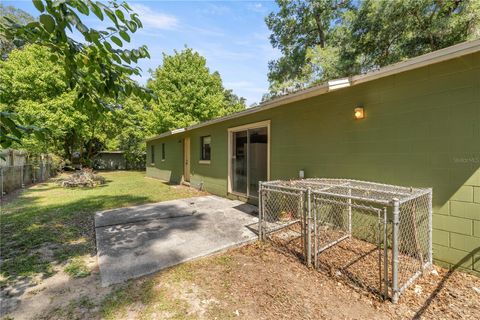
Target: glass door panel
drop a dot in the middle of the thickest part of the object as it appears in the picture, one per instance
(257, 158)
(239, 161)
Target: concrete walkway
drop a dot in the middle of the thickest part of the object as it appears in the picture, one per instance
(136, 241)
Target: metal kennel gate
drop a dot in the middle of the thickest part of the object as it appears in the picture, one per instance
(376, 235)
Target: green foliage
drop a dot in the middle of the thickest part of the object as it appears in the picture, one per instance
(35, 90)
(14, 14)
(77, 268)
(135, 122)
(82, 93)
(96, 71)
(322, 40)
(188, 92)
(12, 130)
(390, 31)
(233, 103)
(298, 26)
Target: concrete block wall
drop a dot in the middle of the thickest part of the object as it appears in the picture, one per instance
(456, 233)
(422, 129)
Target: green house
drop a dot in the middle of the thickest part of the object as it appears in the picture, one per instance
(420, 127)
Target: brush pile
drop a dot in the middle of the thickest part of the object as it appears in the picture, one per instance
(84, 178)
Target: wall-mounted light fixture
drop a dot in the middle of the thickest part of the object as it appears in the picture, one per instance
(301, 174)
(359, 113)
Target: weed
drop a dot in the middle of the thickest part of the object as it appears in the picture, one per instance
(223, 260)
(77, 268)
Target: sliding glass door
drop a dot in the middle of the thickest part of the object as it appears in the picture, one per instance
(257, 158)
(239, 162)
(249, 159)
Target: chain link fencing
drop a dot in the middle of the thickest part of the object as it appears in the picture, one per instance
(375, 235)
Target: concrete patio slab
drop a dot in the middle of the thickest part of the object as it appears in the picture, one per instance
(135, 241)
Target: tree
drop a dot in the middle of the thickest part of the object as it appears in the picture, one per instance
(385, 32)
(134, 123)
(296, 27)
(34, 88)
(14, 14)
(322, 40)
(188, 92)
(233, 103)
(97, 69)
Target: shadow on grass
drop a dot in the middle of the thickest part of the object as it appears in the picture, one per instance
(442, 283)
(39, 233)
(36, 238)
(67, 230)
(41, 187)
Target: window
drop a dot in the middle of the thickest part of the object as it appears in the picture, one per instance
(152, 152)
(163, 151)
(205, 152)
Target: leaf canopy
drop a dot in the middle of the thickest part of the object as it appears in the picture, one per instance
(96, 72)
(324, 39)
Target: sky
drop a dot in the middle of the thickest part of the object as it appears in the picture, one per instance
(231, 35)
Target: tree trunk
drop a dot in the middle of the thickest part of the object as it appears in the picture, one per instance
(321, 33)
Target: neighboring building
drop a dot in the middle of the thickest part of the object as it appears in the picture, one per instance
(421, 128)
(116, 160)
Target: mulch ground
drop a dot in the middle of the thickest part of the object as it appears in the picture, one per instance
(265, 283)
(262, 281)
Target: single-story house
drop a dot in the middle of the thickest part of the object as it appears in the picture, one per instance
(413, 123)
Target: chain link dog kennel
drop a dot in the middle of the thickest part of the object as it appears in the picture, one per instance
(376, 235)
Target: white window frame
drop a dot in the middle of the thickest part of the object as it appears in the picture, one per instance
(204, 161)
(163, 151)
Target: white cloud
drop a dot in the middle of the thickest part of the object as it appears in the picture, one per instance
(205, 32)
(217, 51)
(154, 19)
(247, 85)
(215, 9)
(256, 7)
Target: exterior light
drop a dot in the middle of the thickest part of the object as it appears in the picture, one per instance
(301, 174)
(359, 113)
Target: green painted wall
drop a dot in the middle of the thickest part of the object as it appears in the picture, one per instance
(169, 169)
(422, 129)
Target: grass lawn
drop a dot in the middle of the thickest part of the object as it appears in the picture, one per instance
(47, 224)
(48, 234)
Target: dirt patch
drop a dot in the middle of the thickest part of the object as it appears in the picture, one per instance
(12, 195)
(49, 230)
(256, 281)
(260, 282)
(51, 297)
